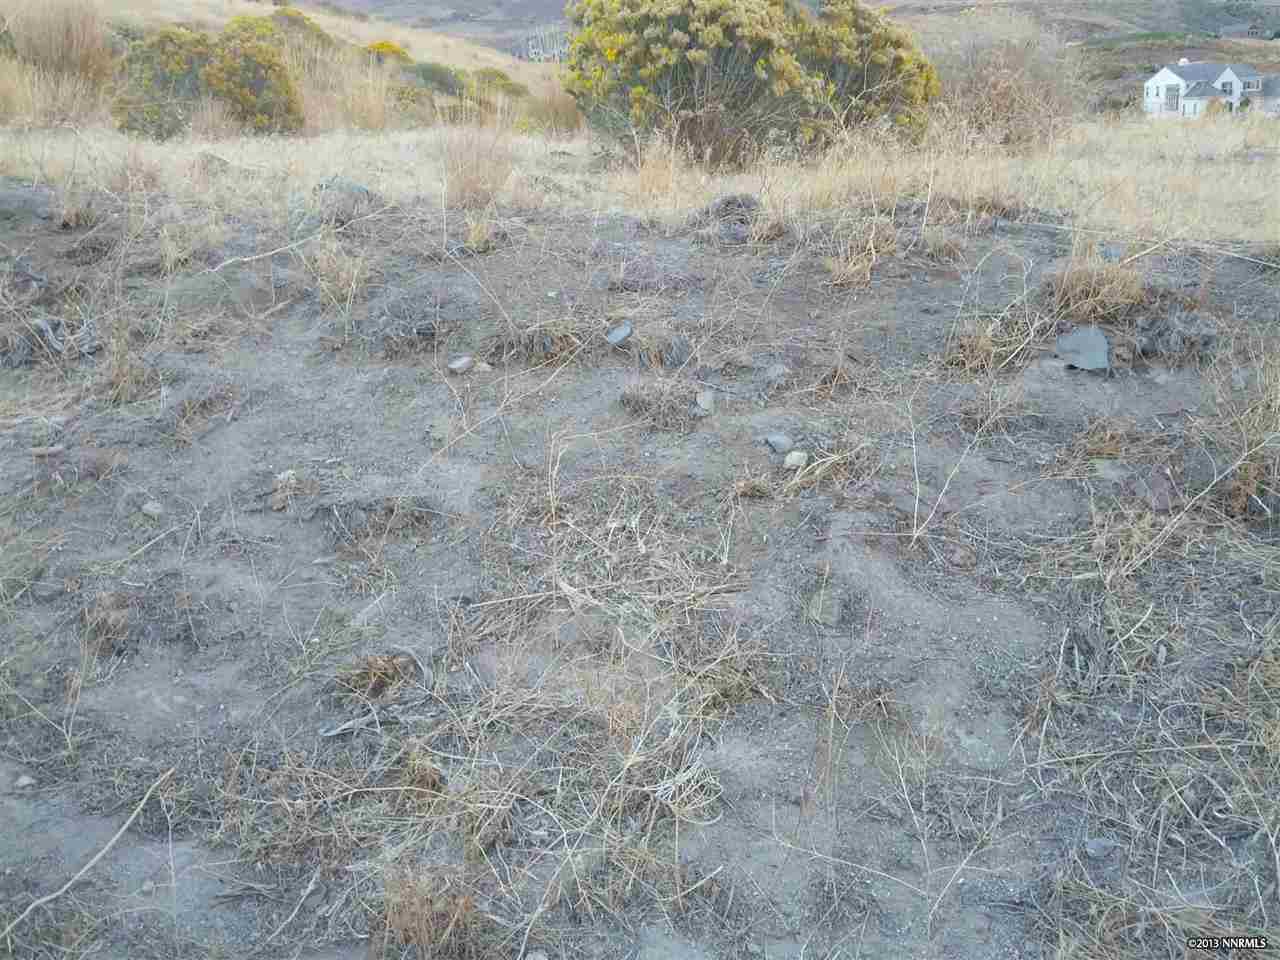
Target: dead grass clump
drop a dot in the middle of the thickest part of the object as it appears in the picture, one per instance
(436, 913)
(1110, 438)
(753, 488)
(1248, 427)
(106, 623)
(375, 677)
(482, 807)
(125, 378)
(553, 340)
(1090, 290)
(476, 164)
(665, 403)
(838, 467)
(991, 344)
(341, 277)
(940, 247)
(551, 112)
(856, 246)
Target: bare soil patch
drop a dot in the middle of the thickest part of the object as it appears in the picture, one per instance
(594, 589)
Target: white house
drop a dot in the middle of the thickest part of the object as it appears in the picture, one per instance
(1186, 89)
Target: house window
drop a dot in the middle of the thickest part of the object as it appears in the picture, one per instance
(1227, 87)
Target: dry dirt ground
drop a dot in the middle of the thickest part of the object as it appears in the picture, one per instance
(554, 653)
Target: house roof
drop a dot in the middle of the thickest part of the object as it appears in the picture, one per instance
(1201, 90)
(1208, 71)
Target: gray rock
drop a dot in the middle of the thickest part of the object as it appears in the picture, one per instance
(619, 334)
(1111, 252)
(741, 208)
(704, 404)
(779, 442)
(1179, 333)
(460, 365)
(25, 781)
(1099, 847)
(796, 460)
(153, 509)
(1085, 348)
(19, 200)
(46, 335)
(340, 201)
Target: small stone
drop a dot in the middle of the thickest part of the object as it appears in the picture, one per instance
(619, 335)
(153, 509)
(796, 459)
(704, 403)
(24, 781)
(1099, 847)
(1085, 348)
(148, 887)
(460, 365)
(779, 442)
(483, 367)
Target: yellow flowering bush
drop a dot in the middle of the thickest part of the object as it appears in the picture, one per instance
(247, 71)
(388, 51)
(721, 77)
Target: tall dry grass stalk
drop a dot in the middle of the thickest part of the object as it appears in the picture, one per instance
(476, 163)
(35, 96)
(341, 90)
(62, 37)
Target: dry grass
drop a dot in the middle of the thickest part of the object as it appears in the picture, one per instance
(477, 163)
(838, 467)
(663, 402)
(854, 248)
(988, 344)
(31, 95)
(1089, 290)
(63, 37)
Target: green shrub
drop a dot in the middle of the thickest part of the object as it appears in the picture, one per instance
(163, 81)
(722, 77)
(487, 81)
(436, 76)
(247, 71)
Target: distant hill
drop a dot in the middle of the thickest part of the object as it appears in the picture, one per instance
(503, 23)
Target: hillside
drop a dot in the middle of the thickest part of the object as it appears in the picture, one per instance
(501, 22)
